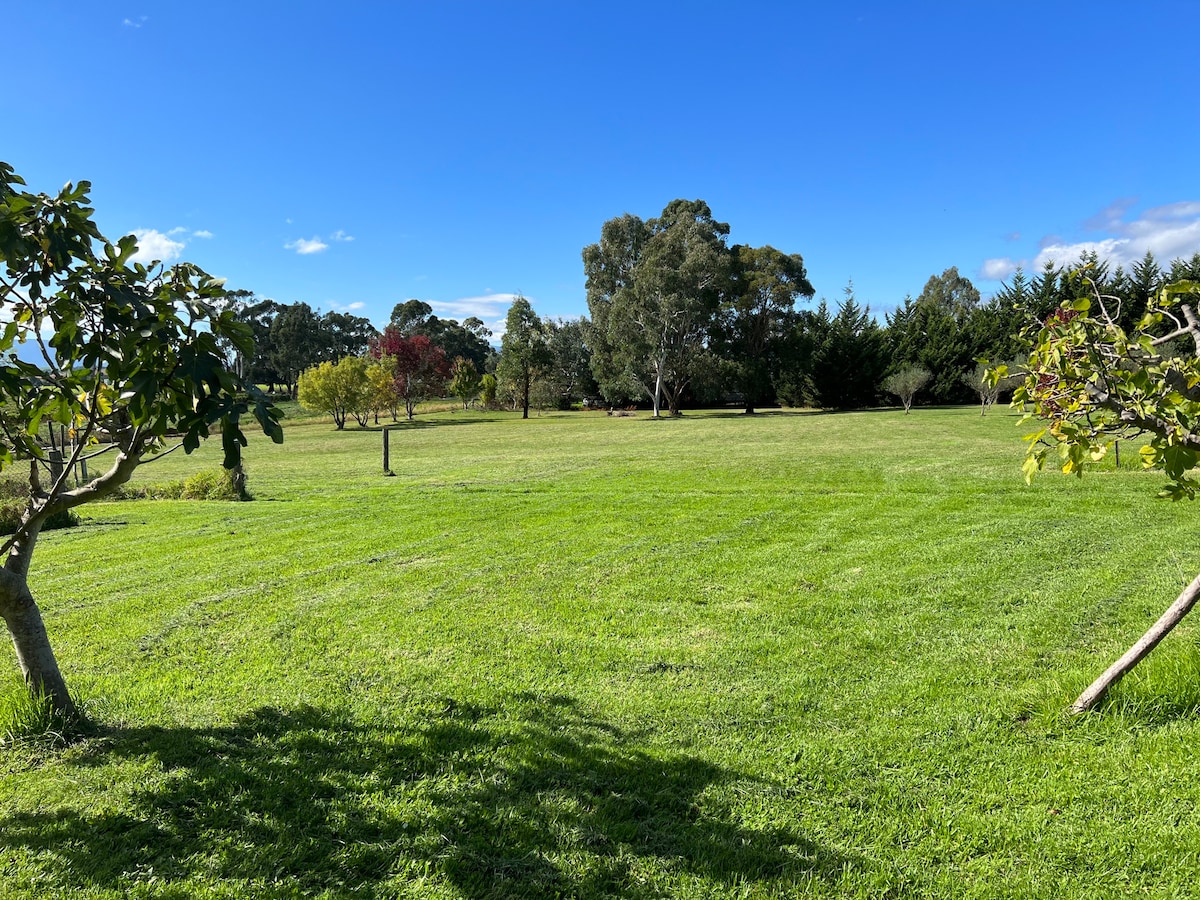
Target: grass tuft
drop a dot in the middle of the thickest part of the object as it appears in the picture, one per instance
(28, 718)
(209, 484)
(1164, 688)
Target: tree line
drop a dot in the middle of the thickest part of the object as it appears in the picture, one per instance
(677, 316)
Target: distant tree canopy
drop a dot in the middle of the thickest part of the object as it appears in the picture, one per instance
(654, 289)
(289, 338)
(468, 340)
(676, 313)
(842, 358)
(418, 367)
(340, 388)
(757, 316)
(677, 316)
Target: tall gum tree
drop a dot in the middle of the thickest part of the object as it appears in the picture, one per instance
(130, 353)
(758, 313)
(654, 290)
(1094, 383)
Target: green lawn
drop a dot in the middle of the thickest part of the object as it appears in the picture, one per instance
(721, 656)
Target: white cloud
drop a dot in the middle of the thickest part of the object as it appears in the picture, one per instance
(178, 229)
(135, 23)
(1169, 232)
(202, 233)
(998, 269)
(1116, 250)
(347, 307)
(305, 247)
(340, 235)
(154, 245)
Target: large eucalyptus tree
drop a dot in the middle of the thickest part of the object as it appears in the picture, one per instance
(654, 290)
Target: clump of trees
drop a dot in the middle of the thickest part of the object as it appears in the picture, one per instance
(341, 389)
(417, 366)
(679, 316)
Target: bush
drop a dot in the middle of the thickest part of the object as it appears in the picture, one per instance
(14, 495)
(211, 484)
(215, 484)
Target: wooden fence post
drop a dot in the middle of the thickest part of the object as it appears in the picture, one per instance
(386, 468)
(56, 465)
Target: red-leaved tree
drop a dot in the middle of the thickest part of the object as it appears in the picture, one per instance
(419, 366)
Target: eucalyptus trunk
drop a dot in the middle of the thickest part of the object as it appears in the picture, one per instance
(658, 388)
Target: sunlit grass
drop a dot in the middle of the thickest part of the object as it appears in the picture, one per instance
(589, 656)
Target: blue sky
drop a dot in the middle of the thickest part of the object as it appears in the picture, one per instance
(354, 155)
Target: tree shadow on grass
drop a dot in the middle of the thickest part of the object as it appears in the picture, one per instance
(535, 799)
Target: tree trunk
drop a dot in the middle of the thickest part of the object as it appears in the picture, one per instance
(1141, 649)
(28, 632)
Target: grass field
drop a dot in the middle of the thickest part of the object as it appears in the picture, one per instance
(722, 656)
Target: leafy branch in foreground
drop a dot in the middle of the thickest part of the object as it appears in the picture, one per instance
(1093, 384)
(130, 357)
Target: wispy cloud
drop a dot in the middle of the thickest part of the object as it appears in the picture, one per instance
(179, 229)
(1109, 218)
(347, 307)
(154, 245)
(489, 306)
(306, 246)
(1168, 232)
(492, 309)
(136, 22)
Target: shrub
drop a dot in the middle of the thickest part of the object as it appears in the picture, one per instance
(14, 496)
(211, 484)
(215, 484)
